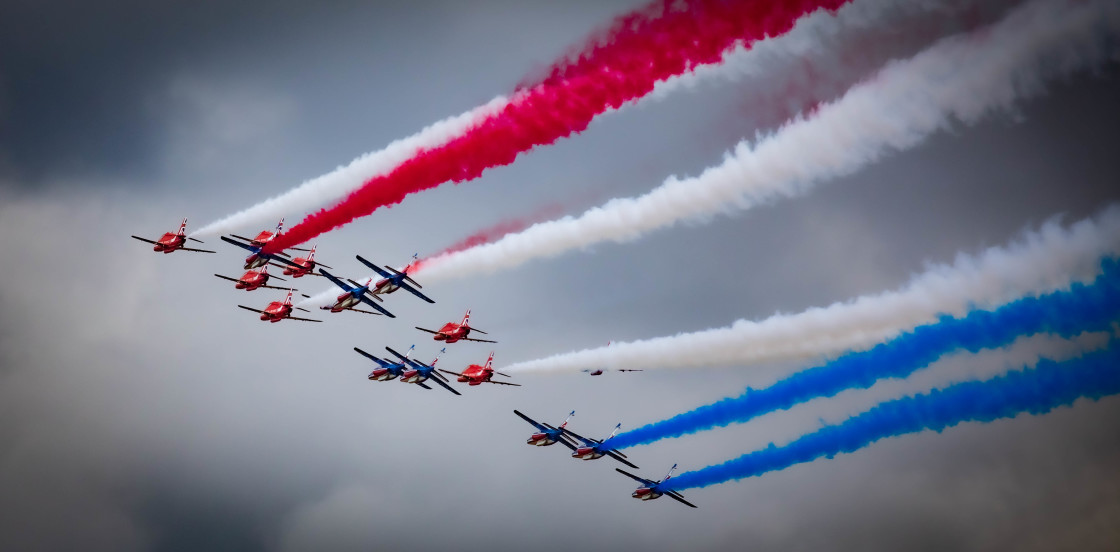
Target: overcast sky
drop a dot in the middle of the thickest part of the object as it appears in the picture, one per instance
(143, 410)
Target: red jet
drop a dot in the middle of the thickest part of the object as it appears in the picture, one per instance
(476, 375)
(277, 311)
(306, 266)
(253, 279)
(171, 242)
(452, 332)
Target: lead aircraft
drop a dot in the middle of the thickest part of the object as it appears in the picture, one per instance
(655, 489)
(354, 296)
(277, 311)
(452, 332)
(420, 372)
(546, 434)
(174, 241)
(593, 449)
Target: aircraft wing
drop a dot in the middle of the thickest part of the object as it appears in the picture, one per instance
(531, 421)
(249, 309)
(415, 292)
(405, 359)
(444, 384)
(365, 299)
(227, 278)
(336, 281)
(450, 372)
(363, 312)
(241, 238)
(578, 436)
(614, 454)
(424, 385)
(146, 240)
(380, 362)
(505, 383)
(241, 245)
(641, 480)
(374, 267)
(677, 496)
(302, 319)
(196, 250)
(429, 331)
(478, 340)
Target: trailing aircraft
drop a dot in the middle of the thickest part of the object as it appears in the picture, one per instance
(277, 311)
(475, 374)
(593, 449)
(254, 279)
(655, 489)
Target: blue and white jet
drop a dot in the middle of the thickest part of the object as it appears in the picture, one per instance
(655, 489)
(393, 279)
(418, 372)
(546, 434)
(354, 296)
(593, 449)
(388, 370)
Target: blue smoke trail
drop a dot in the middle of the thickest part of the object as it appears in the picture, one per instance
(1037, 391)
(1066, 313)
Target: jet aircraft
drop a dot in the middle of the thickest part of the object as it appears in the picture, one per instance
(399, 279)
(254, 279)
(599, 371)
(546, 434)
(388, 370)
(452, 332)
(354, 296)
(420, 372)
(174, 241)
(306, 266)
(593, 448)
(475, 374)
(277, 311)
(654, 489)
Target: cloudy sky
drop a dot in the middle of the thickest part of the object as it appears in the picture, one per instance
(143, 410)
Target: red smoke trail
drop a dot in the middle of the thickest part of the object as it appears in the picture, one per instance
(494, 232)
(607, 77)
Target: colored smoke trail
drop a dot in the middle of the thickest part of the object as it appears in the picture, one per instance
(335, 185)
(608, 78)
(1036, 391)
(1038, 262)
(1083, 308)
(898, 109)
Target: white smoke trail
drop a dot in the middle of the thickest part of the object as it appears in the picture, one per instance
(1042, 261)
(961, 78)
(336, 184)
(817, 39)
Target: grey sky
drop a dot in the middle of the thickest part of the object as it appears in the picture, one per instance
(144, 410)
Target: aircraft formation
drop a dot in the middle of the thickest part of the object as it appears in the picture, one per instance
(400, 367)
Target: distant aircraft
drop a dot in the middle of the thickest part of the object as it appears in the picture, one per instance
(399, 279)
(420, 372)
(277, 311)
(354, 296)
(171, 242)
(306, 266)
(257, 257)
(593, 448)
(599, 371)
(388, 370)
(654, 489)
(546, 434)
(452, 332)
(254, 279)
(475, 374)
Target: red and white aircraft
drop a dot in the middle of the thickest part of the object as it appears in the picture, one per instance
(171, 242)
(277, 311)
(452, 332)
(257, 257)
(254, 279)
(306, 266)
(475, 374)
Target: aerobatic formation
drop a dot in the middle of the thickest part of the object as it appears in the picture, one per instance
(1059, 280)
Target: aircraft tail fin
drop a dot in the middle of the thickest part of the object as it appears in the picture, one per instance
(565, 424)
(670, 474)
(288, 299)
(439, 354)
(279, 227)
(466, 319)
(615, 432)
(183, 228)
